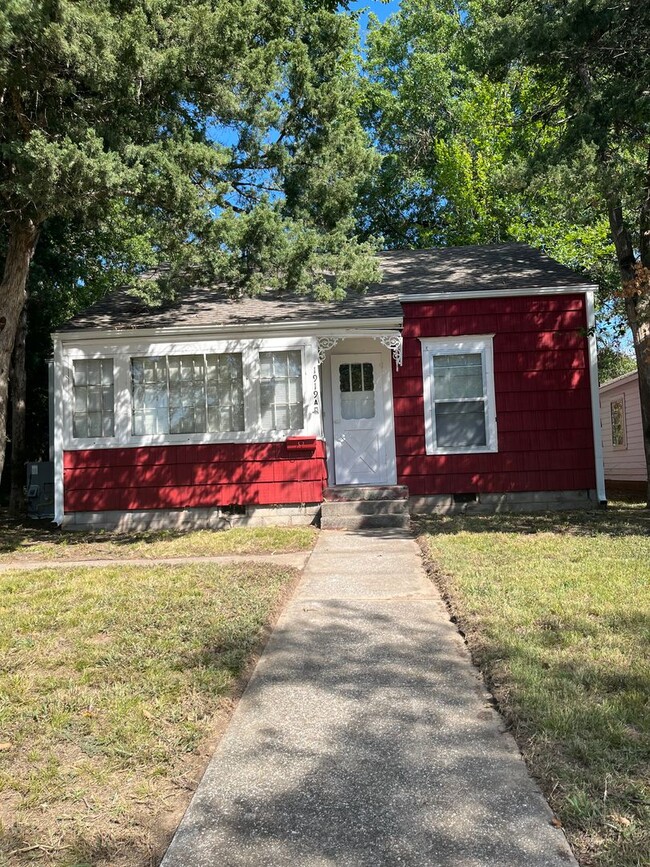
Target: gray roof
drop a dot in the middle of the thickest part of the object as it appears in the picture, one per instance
(489, 269)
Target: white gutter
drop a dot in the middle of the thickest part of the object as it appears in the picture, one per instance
(497, 293)
(595, 398)
(309, 327)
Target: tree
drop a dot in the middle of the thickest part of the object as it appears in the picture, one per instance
(224, 130)
(591, 65)
(454, 150)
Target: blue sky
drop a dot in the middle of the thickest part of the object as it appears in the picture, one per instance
(381, 10)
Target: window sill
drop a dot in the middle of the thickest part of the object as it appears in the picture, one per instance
(485, 450)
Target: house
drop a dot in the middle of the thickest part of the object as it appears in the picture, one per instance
(467, 375)
(622, 432)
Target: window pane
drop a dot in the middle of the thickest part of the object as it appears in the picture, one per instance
(460, 424)
(150, 398)
(344, 377)
(186, 394)
(618, 423)
(357, 380)
(358, 405)
(93, 397)
(224, 392)
(457, 376)
(281, 402)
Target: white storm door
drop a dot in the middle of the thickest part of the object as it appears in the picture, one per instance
(359, 420)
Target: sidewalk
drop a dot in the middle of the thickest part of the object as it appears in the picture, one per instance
(365, 737)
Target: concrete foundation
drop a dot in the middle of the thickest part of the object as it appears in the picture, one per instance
(193, 519)
(309, 513)
(490, 504)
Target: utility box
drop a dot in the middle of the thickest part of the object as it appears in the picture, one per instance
(40, 489)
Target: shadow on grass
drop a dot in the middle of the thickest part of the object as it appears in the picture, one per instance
(20, 535)
(612, 521)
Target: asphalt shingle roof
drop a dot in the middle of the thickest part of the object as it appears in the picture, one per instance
(488, 269)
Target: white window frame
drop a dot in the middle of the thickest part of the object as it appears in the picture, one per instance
(474, 344)
(122, 352)
(621, 401)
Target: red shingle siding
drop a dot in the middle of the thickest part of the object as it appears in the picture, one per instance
(543, 400)
(179, 477)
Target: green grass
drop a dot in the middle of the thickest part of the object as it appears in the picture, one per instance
(556, 611)
(110, 679)
(38, 542)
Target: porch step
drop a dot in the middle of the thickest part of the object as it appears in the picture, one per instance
(349, 507)
(336, 493)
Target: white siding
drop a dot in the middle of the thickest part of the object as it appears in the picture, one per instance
(626, 463)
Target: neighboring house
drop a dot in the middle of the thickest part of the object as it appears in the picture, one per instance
(466, 375)
(622, 432)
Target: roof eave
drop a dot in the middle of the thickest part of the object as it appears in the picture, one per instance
(463, 294)
(623, 379)
(278, 329)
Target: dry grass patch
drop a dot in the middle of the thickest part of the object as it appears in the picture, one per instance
(556, 610)
(110, 682)
(39, 541)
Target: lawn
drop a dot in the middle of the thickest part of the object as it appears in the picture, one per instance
(113, 685)
(39, 541)
(556, 612)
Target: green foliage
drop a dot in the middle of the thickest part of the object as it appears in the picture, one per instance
(224, 130)
(612, 363)
(470, 158)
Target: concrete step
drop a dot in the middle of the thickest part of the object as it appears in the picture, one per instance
(343, 508)
(364, 522)
(337, 493)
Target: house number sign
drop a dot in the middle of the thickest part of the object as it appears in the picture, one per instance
(316, 391)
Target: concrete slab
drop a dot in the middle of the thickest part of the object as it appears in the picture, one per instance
(366, 738)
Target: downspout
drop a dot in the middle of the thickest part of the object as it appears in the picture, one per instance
(595, 398)
(57, 421)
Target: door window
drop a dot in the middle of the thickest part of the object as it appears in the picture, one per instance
(357, 387)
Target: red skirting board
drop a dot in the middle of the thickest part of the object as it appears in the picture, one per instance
(202, 476)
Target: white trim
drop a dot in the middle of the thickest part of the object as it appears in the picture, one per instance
(345, 327)
(590, 309)
(57, 374)
(475, 343)
(392, 340)
(123, 352)
(493, 295)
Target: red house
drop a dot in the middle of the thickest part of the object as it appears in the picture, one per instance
(467, 376)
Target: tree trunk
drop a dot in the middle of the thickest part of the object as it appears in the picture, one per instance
(636, 291)
(21, 243)
(17, 500)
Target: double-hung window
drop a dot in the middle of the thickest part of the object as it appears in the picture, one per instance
(459, 395)
(281, 402)
(185, 394)
(93, 394)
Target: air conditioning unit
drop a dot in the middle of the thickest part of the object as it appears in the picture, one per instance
(40, 489)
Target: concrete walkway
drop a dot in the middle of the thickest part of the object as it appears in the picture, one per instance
(365, 736)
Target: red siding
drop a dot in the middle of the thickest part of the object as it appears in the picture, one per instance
(543, 400)
(177, 477)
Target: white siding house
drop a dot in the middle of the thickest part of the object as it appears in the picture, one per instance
(620, 421)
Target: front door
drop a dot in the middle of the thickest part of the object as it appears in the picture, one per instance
(360, 428)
